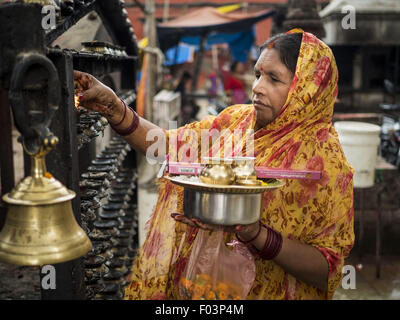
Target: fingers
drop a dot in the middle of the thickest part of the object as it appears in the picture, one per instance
(77, 74)
(83, 80)
(205, 226)
(94, 107)
(196, 223)
(87, 102)
(192, 222)
(88, 95)
(181, 218)
(78, 78)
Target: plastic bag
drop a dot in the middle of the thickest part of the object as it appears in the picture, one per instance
(217, 271)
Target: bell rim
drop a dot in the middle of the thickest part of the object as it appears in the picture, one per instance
(7, 256)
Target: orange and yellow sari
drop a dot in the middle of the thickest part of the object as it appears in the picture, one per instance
(316, 212)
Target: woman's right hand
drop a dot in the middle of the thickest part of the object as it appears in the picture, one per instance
(96, 96)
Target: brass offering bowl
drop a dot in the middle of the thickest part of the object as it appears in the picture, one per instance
(217, 171)
(243, 167)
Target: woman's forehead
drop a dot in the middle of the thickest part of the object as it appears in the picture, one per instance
(269, 60)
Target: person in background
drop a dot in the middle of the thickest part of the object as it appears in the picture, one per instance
(183, 82)
(234, 86)
(188, 108)
(188, 112)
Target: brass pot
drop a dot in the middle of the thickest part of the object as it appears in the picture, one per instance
(243, 167)
(217, 171)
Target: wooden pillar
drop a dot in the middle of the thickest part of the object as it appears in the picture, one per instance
(152, 62)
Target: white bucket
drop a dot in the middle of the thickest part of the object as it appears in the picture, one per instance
(360, 143)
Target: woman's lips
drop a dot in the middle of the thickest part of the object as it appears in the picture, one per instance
(259, 104)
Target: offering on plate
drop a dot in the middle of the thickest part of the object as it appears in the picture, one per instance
(243, 167)
(217, 171)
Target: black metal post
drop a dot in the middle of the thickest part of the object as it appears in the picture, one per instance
(396, 72)
(63, 164)
(6, 153)
(128, 77)
(14, 40)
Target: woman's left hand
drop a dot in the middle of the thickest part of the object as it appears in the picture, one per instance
(244, 231)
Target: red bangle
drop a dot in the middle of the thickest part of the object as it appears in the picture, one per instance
(123, 117)
(273, 244)
(254, 238)
(133, 126)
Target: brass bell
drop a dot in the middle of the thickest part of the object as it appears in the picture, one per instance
(40, 226)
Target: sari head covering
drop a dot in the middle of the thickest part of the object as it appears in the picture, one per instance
(315, 212)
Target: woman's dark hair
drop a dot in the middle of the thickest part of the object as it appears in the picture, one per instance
(233, 66)
(288, 47)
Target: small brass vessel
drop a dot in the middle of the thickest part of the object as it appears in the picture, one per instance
(243, 167)
(217, 171)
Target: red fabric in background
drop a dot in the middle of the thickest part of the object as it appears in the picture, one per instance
(233, 84)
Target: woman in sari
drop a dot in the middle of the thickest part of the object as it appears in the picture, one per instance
(310, 222)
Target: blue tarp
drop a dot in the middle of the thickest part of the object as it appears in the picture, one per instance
(239, 43)
(179, 54)
(238, 33)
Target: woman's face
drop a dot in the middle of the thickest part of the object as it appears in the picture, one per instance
(271, 87)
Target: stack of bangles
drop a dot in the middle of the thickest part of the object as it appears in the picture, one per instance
(272, 245)
(132, 127)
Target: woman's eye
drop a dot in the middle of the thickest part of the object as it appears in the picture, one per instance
(274, 79)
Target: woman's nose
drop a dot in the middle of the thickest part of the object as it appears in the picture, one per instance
(257, 87)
